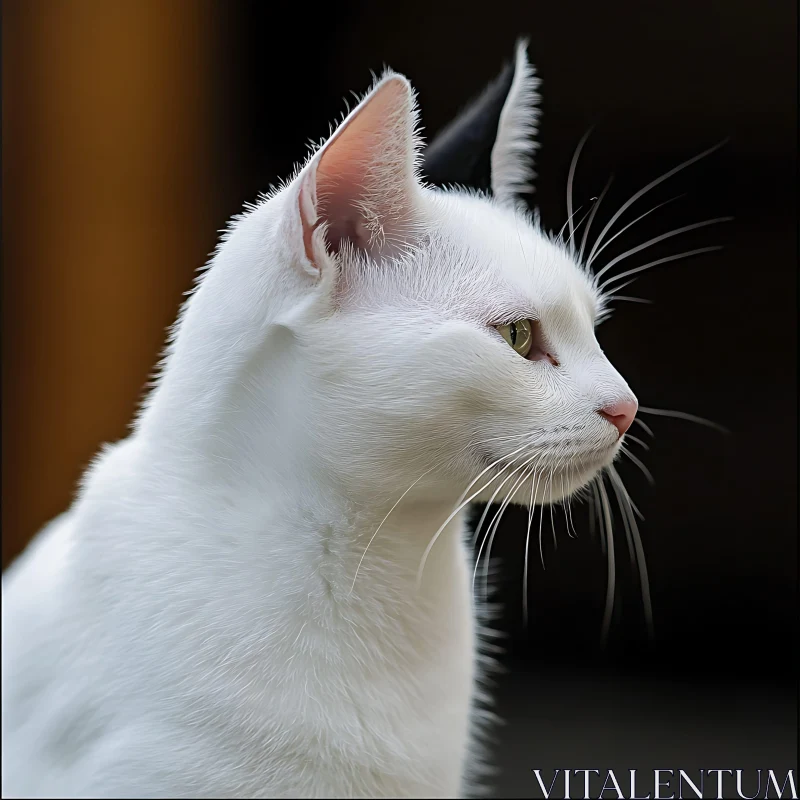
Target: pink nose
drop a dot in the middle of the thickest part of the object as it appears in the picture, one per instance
(620, 415)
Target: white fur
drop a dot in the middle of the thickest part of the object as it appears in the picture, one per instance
(515, 145)
(194, 624)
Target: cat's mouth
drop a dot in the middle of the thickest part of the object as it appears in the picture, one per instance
(570, 453)
(565, 468)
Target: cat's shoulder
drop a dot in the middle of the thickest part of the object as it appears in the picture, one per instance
(41, 564)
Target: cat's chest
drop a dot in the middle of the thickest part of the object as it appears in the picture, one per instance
(349, 689)
(383, 654)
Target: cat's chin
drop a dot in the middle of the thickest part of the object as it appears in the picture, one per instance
(550, 483)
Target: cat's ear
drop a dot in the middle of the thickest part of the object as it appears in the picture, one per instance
(514, 145)
(460, 153)
(360, 189)
(490, 144)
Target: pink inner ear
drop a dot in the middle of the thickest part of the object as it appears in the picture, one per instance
(364, 173)
(308, 219)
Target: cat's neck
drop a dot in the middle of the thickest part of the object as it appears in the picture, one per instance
(294, 523)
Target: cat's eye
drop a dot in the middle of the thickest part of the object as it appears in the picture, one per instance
(519, 335)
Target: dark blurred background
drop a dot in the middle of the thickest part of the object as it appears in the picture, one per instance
(133, 130)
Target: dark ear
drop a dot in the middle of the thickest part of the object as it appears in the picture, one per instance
(359, 189)
(461, 152)
(490, 145)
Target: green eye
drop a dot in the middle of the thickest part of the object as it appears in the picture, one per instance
(519, 335)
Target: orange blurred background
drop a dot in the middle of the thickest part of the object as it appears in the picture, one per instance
(108, 210)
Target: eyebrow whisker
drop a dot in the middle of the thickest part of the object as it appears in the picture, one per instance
(625, 206)
(570, 180)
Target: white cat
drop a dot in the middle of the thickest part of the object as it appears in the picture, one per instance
(229, 609)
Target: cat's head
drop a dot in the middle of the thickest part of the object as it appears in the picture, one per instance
(395, 330)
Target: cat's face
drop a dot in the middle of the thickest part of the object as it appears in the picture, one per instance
(417, 373)
(401, 365)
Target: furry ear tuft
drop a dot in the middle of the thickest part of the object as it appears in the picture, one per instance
(514, 147)
(359, 189)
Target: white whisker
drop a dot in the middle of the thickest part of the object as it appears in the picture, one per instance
(640, 442)
(597, 514)
(595, 206)
(384, 520)
(541, 546)
(578, 225)
(656, 240)
(534, 484)
(621, 287)
(625, 521)
(552, 520)
(566, 502)
(620, 232)
(493, 530)
(641, 563)
(570, 180)
(625, 206)
(561, 230)
(611, 575)
(646, 472)
(661, 412)
(625, 298)
(665, 260)
(460, 503)
(645, 427)
(570, 522)
(508, 477)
